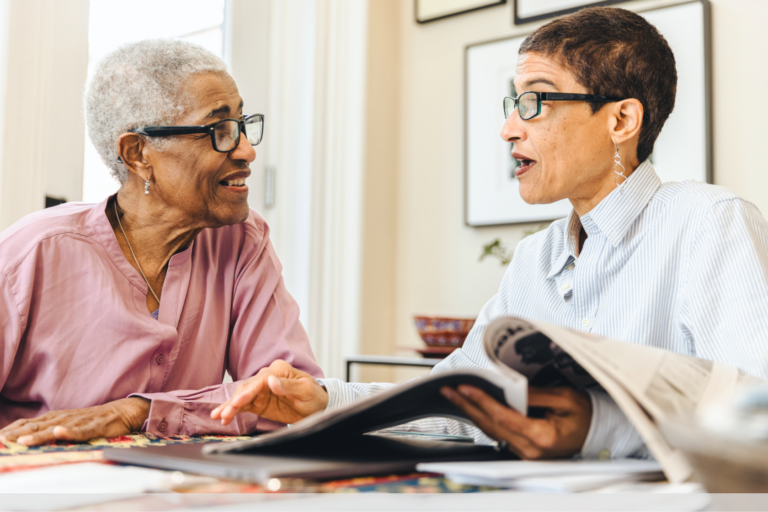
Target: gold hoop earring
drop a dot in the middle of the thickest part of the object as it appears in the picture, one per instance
(617, 163)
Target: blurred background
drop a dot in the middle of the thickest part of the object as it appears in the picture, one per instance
(361, 171)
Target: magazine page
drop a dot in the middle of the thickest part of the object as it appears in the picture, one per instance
(676, 466)
(665, 383)
(510, 340)
(520, 347)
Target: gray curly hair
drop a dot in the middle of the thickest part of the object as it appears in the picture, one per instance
(141, 84)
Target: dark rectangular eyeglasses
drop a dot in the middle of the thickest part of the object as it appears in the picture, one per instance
(528, 104)
(225, 134)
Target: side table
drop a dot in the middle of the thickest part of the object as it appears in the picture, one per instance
(390, 361)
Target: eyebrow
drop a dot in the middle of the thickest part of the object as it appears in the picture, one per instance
(530, 83)
(224, 109)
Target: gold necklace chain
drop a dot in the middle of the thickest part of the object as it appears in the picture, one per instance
(133, 254)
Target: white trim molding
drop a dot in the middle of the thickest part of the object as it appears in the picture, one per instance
(337, 184)
(314, 145)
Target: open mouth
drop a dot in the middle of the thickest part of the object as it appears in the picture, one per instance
(525, 164)
(240, 182)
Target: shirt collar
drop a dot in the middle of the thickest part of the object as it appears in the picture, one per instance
(570, 239)
(616, 213)
(613, 216)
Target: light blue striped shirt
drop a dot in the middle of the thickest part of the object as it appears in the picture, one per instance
(678, 266)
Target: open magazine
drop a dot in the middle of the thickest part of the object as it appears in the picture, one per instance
(648, 384)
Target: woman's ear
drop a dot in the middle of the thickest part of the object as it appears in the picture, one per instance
(130, 147)
(626, 120)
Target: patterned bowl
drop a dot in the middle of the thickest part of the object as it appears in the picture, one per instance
(438, 331)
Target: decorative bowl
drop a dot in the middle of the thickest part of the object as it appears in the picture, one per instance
(440, 331)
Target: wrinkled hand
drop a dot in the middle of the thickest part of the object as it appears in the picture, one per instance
(559, 434)
(279, 393)
(112, 419)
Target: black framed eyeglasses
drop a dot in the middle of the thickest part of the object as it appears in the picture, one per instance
(528, 104)
(225, 134)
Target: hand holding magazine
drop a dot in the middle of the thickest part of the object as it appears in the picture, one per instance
(648, 384)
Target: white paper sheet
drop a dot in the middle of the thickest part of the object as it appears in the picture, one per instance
(86, 477)
(508, 470)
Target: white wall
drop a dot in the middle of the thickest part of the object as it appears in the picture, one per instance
(436, 268)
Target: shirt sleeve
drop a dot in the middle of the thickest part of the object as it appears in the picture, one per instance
(611, 434)
(724, 299)
(265, 327)
(471, 355)
(726, 292)
(342, 393)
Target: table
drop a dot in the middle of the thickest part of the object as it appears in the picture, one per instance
(390, 361)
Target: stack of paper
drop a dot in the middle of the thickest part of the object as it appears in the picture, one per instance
(547, 476)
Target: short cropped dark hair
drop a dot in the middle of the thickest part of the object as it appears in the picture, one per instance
(614, 52)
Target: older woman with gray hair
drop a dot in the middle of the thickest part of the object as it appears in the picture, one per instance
(124, 316)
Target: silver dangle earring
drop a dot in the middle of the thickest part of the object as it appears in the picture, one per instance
(616, 164)
(146, 188)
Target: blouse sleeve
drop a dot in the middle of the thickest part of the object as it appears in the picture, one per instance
(265, 327)
(10, 329)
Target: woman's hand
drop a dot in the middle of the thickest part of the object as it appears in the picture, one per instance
(112, 419)
(279, 393)
(559, 434)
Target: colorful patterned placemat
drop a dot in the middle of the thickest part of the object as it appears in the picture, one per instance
(113, 442)
(427, 483)
(16, 457)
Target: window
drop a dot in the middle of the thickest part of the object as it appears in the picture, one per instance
(113, 24)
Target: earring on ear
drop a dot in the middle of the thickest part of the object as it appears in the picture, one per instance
(617, 163)
(146, 188)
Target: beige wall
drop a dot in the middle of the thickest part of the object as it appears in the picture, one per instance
(380, 186)
(435, 269)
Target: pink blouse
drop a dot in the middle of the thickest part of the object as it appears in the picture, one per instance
(76, 331)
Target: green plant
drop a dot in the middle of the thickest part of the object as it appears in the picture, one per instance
(496, 249)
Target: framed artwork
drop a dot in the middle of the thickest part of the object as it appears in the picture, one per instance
(432, 10)
(527, 11)
(682, 151)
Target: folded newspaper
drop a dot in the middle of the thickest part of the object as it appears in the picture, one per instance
(649, 384)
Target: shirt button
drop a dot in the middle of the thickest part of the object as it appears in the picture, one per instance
(160, 359)
(571, 266)
(605, 454)
(162, 427)
(565, 286)
(585, 322)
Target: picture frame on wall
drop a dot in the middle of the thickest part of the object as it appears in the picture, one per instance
(527, 11)
(433, 10)
(683, 150)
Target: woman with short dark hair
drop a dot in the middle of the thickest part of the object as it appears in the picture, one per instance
(679, 266)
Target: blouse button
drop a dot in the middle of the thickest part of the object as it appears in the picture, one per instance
(585, 322)
(160, 359)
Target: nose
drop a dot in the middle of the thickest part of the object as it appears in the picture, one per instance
(513, 129)
(243, 151)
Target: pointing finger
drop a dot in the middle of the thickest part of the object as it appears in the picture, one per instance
(248, 394)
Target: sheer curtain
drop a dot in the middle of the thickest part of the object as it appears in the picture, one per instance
(43, 61)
